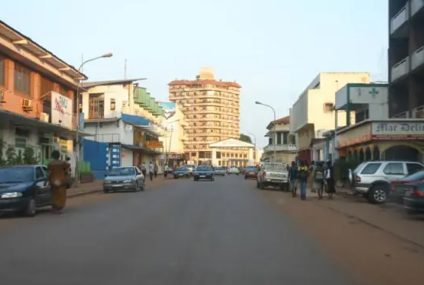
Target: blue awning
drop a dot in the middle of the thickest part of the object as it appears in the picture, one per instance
(135, 120)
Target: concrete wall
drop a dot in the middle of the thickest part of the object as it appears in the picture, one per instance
(110, 132)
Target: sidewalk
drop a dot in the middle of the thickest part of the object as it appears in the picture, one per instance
(390, 218)
(85, 188)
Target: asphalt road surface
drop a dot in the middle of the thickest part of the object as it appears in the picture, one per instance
(179, 232)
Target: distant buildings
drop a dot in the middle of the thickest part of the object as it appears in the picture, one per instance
(211, 111)
(285, 145)
(37, 101)
(122, 125)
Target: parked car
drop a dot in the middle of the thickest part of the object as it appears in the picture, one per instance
(203, 172)
(191, 168)
(220, 170)
(123, 178)
(399, 187)
(372, 178)
(414, 197)
(23, 189)
(273, 174)
(251, 172)
(182, 172)
(233, 170)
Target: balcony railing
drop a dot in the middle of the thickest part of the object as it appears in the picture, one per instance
(417, 58)
(282, 147)
(402, 115)
(399, 19)
(416, 6)
(400, 69)
(418, 112)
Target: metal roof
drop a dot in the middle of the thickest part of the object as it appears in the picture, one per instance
(111, 82)
(37, 50)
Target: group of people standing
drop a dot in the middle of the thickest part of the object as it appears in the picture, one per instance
(322, 178)
(151, 169)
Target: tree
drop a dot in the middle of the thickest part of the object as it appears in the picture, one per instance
(29, 156)
(245, 138)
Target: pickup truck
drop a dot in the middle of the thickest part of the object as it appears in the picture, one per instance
(273, 174)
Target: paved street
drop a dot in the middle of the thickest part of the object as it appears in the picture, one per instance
(176, 232)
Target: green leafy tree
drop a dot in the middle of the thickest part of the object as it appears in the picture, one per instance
(29, 156)
(2, 147)
(11, 156)
(245, 138)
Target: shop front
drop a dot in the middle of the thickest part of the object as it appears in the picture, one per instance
(400, 139)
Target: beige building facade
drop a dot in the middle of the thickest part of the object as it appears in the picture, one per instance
(211, 111)
(285, 144)
(313, 113)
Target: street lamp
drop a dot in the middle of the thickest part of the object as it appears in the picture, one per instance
(275, 133)
(170, 139)
(77, 146)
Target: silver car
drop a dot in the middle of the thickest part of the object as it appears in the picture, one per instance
(372, 178)
(124, 179)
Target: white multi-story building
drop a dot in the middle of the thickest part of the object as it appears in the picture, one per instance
(313, 113)
(122, 123)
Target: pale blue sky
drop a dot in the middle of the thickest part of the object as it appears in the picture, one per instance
(273, 48)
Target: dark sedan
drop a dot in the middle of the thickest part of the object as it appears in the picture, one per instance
(182, 172)
(24, 188)
(414, 197)
(251, 172)
(203, 172)
(399, 187)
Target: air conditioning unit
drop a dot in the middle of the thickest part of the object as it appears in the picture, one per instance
(44, 117)
(27, 105)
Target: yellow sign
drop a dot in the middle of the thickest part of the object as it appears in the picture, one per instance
(154, 144)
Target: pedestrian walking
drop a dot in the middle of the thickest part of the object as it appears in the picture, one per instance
(58, 178)
(312, 169)
(155, 169)
(151, 170)
(302, 177)
(293, 178)
(143, 169)
(329, 178)
(318, 179)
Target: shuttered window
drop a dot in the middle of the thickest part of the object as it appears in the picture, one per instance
(2, 71)
(22, 79)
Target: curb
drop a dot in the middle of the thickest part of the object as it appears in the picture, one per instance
(73, 195)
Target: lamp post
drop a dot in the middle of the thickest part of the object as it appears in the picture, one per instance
(254, 151)
(274, 142)
(170, 139)
(77, 144)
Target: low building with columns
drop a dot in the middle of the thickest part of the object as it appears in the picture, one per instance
(231, 152)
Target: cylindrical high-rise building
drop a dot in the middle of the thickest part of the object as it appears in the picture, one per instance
(211, 111)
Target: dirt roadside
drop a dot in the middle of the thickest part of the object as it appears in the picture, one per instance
(371, 254)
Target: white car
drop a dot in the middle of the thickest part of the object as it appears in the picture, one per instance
(233, 170)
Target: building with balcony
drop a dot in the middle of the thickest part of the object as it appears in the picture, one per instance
(406, 58)
(281, 140)
(37, 99)
(122, 123)
(313, 113)
(211, 111)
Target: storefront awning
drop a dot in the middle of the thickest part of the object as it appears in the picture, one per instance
(25, 122)
(141, 149)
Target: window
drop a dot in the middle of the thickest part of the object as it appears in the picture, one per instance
(328, 107)
(39, 173)
(112, 105)
(218, 155)
(96, 106)
(2, 68)
(394, 169)
(22, 79)
(45, 86)
(285, 138)
(278, 138)
(371, 168)
(413, 167)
